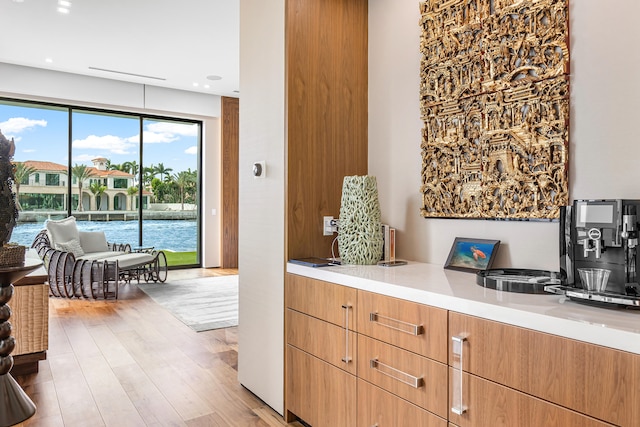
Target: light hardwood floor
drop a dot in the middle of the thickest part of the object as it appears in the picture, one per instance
(131, 363)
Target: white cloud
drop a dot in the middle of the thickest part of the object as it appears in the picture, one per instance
(157, 137)
(84, 158)
(29, 150)
(110, 143)
(192, 150)
(17, 125)
(173, 128)
(165, 132)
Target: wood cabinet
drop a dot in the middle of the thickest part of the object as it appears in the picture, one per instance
(491, 404)
(321, 339)
(396, 362)
(412, 377)
(318, 392)
(380, 408)
(320, 382)
(600, 382)
(322, 300)
(414, 327)
(357, 358)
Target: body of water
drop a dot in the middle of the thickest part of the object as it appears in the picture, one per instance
(173, 235)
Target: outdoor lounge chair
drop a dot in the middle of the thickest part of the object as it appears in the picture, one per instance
(84, 264)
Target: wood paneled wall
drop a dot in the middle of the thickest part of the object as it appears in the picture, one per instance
(326, 83)
(230, 144)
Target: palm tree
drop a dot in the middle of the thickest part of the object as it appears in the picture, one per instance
(81, 173)
(22, 173)
(162, 171)
(97, 189)
(113, 166)
(182, 181)
(132, 191)
(148, 173)
(133, 168)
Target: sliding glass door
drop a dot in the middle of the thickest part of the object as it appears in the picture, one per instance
(105, 154)
(135, 177)
(170, 187)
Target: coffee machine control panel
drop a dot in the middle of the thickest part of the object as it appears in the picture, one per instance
(598, 225)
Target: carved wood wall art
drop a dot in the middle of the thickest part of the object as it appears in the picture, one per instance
(495, 106)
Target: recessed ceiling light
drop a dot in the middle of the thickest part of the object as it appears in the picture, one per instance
(18, 1)
(64, 3)
(63, 10)
(207, 86)
(48, 60)
(195, 85)
(213, 77)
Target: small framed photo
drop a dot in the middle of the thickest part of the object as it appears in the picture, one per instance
(472, 255)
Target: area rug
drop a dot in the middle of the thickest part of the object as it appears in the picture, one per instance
(202, 304)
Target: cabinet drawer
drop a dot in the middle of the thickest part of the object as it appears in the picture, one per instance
(415, 378)
(415, 327)
(326, 301)
(318, 393)
(322, 339)
(377, 407)
(491, 404)
(594, 380)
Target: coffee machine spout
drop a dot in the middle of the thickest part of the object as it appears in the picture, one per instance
(593, 243)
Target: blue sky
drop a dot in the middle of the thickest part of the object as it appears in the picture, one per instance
(42, 134)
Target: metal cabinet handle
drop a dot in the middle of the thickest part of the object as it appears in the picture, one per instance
(396, 325)
(458, 347)
(396, 374)
(346, 359)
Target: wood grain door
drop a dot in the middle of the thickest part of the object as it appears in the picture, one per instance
(597, 381)
(489, 404)
(380, 408)
(323, 300)
(420, 380)
(319, 393)
(322, 339)
(414, 327)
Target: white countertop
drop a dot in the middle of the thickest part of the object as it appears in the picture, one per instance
(457, 291)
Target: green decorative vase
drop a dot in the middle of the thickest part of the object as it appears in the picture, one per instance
(360, 232)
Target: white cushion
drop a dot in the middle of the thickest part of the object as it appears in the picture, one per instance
(63, 230)
(132, 259)
(93, 241)
(72, 246)
(99, 256)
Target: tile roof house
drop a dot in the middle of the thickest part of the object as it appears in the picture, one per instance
(46, 188)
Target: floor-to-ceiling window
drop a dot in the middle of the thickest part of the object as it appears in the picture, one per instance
(133, 176)
(170, 182)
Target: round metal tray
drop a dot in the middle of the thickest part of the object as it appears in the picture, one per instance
(518, 280)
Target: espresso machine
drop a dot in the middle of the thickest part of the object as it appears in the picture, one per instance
(600, 235)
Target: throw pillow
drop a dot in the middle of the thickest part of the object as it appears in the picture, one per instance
(72, 246)
(93, 241)
(62, 230)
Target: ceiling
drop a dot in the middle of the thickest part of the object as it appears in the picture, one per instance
(174, 44)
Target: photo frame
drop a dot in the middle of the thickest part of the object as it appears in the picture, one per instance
(472, 255)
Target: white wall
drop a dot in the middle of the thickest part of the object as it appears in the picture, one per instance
(261, 240)
(52, 86)
(604, 151)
